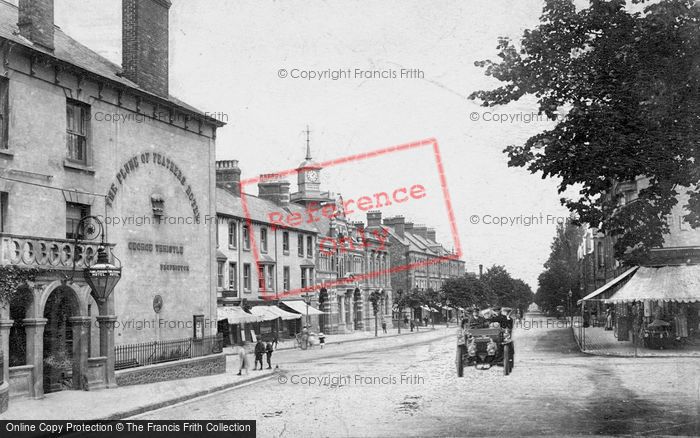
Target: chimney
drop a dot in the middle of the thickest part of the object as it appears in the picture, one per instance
(273, 188)
(421, 230)
(359, 226)
(145, 44)
(408, 227)
(36, 22)
(397, 223)
(228, 176)
(374, 218)
(431, 234)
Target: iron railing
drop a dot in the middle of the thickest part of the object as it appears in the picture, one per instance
(150, 353)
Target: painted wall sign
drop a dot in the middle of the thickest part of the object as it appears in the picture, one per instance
(153, 159)
(155, 247)
(177, 268)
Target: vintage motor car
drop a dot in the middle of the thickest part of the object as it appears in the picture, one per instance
(485, 347)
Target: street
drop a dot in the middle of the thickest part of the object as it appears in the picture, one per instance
(408, 386)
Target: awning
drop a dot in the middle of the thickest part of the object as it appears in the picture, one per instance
(428, 309)
(608, 285)
(283, 314)
(235, 315)
(300, 307)
(668, 283)
(264, 313)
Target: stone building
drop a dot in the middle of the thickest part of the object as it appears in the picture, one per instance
(415, 246)
(80, 137)
(259, 266)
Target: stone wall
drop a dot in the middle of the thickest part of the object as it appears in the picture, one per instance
(182, 369)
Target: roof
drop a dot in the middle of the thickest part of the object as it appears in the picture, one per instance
(70, 51)
(607, 286)
(667, 283)
(259, 209)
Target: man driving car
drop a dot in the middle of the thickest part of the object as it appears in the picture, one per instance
(476, 321)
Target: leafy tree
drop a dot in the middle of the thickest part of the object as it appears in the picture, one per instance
(561, 273)
(375, 298)
(466, 291)
(629, 84)
(406, 300)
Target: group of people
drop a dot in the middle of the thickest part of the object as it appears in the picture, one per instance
(261, 349)
(476, 320)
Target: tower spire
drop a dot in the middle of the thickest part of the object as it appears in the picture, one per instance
(308, 146)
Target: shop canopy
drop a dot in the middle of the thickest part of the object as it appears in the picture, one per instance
(263, 313)
(235, 315)
(596, 293)
(301, 307)
(428, 309)
(667, 283)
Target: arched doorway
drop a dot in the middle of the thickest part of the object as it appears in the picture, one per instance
(61, 305)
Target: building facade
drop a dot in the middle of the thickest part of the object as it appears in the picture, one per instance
(148, 179)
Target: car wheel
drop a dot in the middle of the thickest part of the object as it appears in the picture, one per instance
(506, 360)
(460, 363)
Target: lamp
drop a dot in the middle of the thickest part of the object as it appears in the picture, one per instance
(103, 276)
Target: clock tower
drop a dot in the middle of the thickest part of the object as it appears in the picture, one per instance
(309, 179)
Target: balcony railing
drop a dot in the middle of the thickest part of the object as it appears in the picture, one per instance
(42, 252)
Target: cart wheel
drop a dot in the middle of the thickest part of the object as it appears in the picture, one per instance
(506, 360)
(460, 364)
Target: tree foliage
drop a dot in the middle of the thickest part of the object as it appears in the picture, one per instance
(496, 287)
(561, 273)
(629, 83)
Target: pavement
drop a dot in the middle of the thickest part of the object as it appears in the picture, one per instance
(127, 401)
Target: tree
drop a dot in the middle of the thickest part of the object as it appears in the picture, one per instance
(630, 87)
(561, 273)
(375, 297)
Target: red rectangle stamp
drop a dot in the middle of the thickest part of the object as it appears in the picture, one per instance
(327, 215)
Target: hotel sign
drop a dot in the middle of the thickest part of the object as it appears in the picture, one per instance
(154, 159)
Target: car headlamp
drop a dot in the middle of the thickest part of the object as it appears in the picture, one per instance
(471, 349)
(491, 348)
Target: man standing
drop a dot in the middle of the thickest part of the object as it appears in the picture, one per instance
(259, 351)
(242, 359)
(384, 326)
(268, 353)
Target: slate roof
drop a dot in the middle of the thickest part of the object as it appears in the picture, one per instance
(70, 51)
(259, 209)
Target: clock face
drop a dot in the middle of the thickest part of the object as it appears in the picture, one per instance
(312, 176)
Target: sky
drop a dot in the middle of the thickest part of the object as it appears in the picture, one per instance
(227, 57)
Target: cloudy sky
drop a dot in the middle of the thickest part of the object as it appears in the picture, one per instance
(226, 57)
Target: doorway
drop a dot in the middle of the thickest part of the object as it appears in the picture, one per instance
(58, 340)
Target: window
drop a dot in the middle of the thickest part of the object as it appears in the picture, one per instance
(303, 277)
(77, 116)
(220, 275)
(74, 213)
(263, 239)
(261, 277)
(232, 228)
(4, 112)
(285, 242)
(271, 277)
(3, 211)
(309, 246)
(601, 255)
(232, 276)
(300, 243)
(285, 276)
(246, 237)
(246, 276)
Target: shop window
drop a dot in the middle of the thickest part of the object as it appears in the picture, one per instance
(77, 117)
(285, 242)
(74, 213)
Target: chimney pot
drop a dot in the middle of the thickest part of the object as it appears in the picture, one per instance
(228, 176)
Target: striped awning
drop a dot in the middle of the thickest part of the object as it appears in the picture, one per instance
(596, 293)
(668, 283)
(283, 314)
(301, 308)
(235, 315)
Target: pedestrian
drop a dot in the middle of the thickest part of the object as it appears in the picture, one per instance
(268, 353)
(275, 341)
(259, 351)
(412, 325)
(425, 321)
(384, 326)
(242, 359)
(321, 339)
